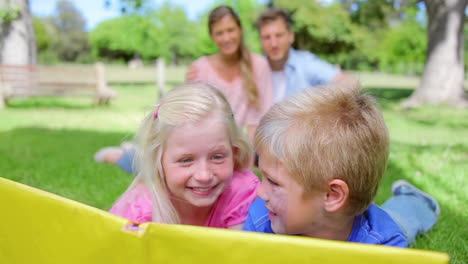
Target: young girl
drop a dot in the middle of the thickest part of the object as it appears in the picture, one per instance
(243, 77)
(192, 161)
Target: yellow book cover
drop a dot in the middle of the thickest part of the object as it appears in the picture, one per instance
(40, 227)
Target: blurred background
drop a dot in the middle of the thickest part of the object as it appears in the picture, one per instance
(49, 142)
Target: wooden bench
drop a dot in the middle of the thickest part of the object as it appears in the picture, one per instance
(37, 80)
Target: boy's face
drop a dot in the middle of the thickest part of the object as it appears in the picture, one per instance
(291, 211)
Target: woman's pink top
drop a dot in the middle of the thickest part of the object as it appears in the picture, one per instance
(244, 113)
(230, 209)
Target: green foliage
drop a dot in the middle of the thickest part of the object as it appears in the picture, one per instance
(371, 14)
(44, 38)
(164, 32)
(9, 13)
(129, 6)
(362, 35)
(62, 36)
(329, 32)
(403, 48)
(72, 38)
(177, 32)
(125, 36)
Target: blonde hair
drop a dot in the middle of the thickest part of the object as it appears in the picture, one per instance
(329, 132)
(250, 88)
(188, 103)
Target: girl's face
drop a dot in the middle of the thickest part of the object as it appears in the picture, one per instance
(227, 35)
(198, 162)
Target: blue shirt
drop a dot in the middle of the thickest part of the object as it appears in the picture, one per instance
(303, 69)
(374, 226)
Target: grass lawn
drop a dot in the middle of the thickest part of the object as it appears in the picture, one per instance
(49, 143)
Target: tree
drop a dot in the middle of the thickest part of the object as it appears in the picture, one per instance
(17, 42)
(72, 38)
(108, 41)
(402, 48)
(177, 32)
(442, 81)
(329, 32)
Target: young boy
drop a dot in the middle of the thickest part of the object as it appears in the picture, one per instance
(322, 154)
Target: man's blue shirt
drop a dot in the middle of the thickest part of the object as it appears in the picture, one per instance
(303, 69)
(374, 226)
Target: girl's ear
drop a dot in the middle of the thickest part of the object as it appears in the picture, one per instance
(235, 151)
(337, 195)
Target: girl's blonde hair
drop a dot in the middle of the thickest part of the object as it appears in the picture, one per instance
(247, 71)
(186, 104)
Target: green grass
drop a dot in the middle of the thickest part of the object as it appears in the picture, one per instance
(49, 144)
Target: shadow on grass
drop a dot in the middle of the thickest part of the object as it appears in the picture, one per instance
(47, 102)
(388, 96)
(449, 234)
(410, 154)
(143, 83)
(455, 122)
(61, 162)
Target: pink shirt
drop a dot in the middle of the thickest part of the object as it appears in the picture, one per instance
(230, 209)
(244, 113)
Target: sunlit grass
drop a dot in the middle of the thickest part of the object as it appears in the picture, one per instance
(49, 144)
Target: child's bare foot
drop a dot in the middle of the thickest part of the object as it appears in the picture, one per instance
(108, 154)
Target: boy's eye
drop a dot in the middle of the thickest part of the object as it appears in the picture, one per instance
(272, 182)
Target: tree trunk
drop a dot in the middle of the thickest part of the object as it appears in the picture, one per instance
(442, 80)
(17, 41)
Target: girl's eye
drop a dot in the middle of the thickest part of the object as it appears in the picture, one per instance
(218, 157)
(185, 160)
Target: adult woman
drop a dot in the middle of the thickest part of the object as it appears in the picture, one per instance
(243, 77)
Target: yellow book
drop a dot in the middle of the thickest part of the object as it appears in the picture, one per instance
(40, 227)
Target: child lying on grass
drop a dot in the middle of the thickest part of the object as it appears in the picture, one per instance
(322, 155)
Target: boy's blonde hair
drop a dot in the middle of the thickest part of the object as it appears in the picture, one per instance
(329, 132)
(186, 104)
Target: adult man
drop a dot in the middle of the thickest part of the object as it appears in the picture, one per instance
(293, 70)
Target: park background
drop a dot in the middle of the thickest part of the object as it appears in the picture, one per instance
(49, 143)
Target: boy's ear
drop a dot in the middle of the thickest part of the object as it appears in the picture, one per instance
(337, 195)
